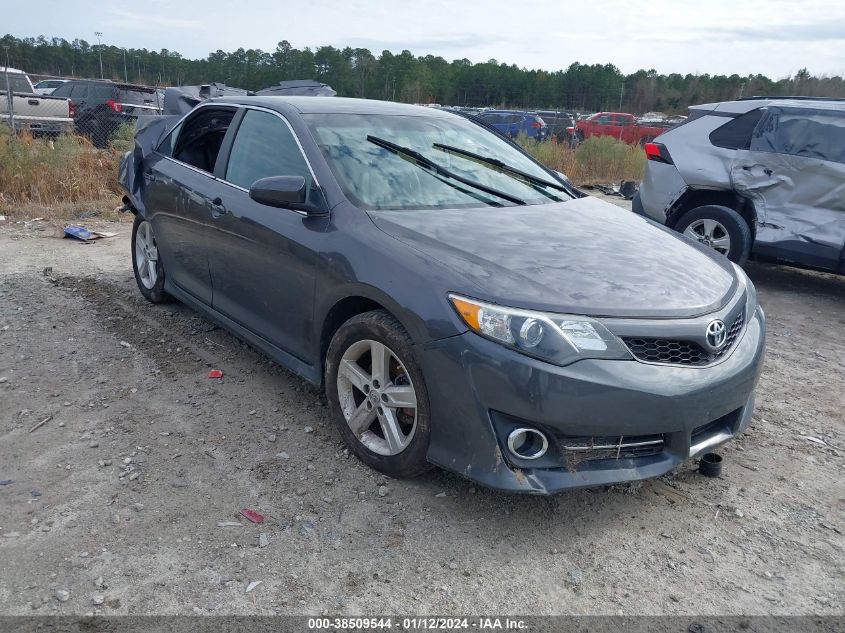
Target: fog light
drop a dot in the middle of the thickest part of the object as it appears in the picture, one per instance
(527, 443)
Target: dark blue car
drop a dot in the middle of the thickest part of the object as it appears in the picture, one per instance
(513, 123)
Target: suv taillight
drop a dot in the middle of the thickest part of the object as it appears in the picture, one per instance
(657, 152)
(113, 105)
(71, 109)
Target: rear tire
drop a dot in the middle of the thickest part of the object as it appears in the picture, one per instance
(721, 228)
(365, 400)
(146, 262)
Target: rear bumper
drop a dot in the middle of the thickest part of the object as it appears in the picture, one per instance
(40, 127)
(662, 185)
(480, 390)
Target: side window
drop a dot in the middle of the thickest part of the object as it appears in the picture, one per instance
(264, 146)
(63, 91)
(166, 146)
(605, 119)
(802, 132)
(736, 133)
(79, 91)
(199, 141)
(624, 120)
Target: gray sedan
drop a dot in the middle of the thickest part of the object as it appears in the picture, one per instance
(462, 305)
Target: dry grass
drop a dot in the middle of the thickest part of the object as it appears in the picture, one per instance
(56, 179)
(68, 178)
(596, 160)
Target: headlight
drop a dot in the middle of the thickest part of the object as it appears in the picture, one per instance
(750, 300)
(558, 338)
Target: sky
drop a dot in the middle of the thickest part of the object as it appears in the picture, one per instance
(773, 37)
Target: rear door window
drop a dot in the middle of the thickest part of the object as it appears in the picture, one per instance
(63, 91)
(264, 146)
(736, 133)
(801, 132)
(199, 141)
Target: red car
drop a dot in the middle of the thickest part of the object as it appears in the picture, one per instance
(620, 125)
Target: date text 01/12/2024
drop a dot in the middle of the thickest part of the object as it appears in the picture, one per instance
(417, 623)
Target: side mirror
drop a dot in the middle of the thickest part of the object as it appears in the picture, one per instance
(279, 191)
(289, 192)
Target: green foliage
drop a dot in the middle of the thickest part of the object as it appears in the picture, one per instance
(357, 72)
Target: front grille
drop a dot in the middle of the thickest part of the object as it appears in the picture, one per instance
(674, 352)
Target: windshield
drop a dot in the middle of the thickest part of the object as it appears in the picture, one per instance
(375, 178)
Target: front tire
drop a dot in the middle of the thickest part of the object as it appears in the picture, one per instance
(720, 228)
(377, 394)
(146, 262)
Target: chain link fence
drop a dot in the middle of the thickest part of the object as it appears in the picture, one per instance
(104, 112)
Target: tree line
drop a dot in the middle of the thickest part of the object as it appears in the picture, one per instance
(357, 72)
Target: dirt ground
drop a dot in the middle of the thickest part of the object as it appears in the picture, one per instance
(125, 499)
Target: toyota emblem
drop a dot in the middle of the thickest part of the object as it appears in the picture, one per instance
(716, 334)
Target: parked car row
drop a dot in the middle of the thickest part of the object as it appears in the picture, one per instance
(620, 125)
(102, 107)
(96, 109)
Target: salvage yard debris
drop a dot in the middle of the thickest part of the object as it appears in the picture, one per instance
(252, 515)
(40, 424)
(85, 235)
(215, 373)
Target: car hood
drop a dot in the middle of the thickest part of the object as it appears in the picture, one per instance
(583, 256)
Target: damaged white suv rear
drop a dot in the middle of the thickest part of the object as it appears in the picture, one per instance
(757, 176)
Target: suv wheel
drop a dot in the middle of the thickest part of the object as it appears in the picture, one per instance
(377, 394)
(720, 228)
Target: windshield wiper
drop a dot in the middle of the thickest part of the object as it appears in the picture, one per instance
(425, 163)
(503, 167)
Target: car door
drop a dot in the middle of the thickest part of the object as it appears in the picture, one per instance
(605, 125)
(179, 189)
(624, 127)
(263, 258)
(794, 171)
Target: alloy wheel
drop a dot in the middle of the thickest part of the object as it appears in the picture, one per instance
(146, 255)
(710, 233)
(377, 397)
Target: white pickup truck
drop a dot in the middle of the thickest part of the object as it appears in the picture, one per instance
(41, 115)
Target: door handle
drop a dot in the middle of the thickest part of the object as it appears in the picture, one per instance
(217, 208)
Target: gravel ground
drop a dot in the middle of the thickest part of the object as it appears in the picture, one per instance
(128, 468)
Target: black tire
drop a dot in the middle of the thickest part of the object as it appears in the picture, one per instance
(380, 326)
(733, 223)
(156, 294)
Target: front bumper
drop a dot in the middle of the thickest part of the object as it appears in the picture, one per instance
(482, 389)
